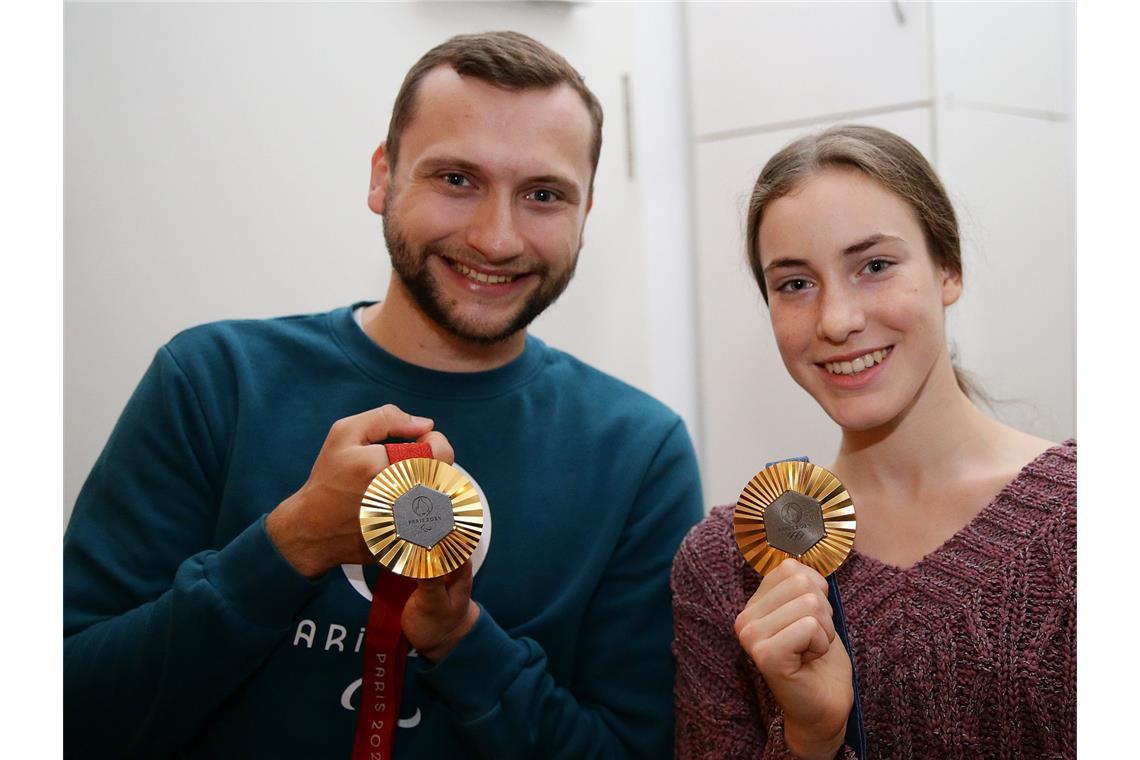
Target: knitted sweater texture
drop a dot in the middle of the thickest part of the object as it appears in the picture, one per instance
(969, 653)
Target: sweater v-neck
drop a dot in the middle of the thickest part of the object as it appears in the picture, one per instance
(1007, 522)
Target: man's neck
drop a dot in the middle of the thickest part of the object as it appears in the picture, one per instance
(399, 327)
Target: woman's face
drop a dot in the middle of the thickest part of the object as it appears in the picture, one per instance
(856, 300)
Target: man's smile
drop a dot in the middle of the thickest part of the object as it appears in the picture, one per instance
(478, 275)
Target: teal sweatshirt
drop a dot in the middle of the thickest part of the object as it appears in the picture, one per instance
(186, 633)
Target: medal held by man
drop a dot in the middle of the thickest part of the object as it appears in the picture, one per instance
(795, 509)
(421, 519)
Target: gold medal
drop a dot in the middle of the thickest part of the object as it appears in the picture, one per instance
(421, 518)
(798, 510)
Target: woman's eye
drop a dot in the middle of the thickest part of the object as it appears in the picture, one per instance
(876, 266)
(792, 286)
(543, 196)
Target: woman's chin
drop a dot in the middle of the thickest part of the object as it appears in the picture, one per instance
(858, 418)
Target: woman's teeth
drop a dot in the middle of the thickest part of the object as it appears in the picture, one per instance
(471, 274)
(857, 365)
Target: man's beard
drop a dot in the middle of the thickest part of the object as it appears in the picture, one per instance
(411, 266)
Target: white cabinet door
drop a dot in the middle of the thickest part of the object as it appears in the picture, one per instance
(1016, 57)
(752, 411)
(1005, 152)
(1011, 178)
(755, 64)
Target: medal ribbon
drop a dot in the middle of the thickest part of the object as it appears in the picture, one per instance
(385, 648)
(856, 735)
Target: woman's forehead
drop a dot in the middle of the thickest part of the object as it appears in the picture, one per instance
(831, 210)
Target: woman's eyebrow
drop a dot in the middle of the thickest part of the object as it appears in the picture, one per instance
(785, 263)
(862, 245)
(869, 241)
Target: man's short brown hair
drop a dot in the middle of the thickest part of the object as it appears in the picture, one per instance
(509, 60)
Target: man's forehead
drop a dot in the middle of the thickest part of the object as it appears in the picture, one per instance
(527, 128)
(443, 85)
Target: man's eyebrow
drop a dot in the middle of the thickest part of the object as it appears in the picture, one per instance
(431, 165)
(551, 179)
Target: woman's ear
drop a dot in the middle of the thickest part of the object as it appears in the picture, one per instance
(378, 185)
(951, 286)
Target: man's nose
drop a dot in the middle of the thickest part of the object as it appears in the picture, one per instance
(493, 230)
(840, 314)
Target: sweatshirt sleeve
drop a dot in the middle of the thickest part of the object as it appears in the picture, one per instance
(160, 628)
(719, 713)
(619, 706)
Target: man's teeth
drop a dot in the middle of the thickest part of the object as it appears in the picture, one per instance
(856, 366)
(486, 279)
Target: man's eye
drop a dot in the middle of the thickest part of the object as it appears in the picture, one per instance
(543, 196)
(455, 180)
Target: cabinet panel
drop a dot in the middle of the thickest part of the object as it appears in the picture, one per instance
(1011, 180)
(765, 63)
(751, 409)
(1017, 55)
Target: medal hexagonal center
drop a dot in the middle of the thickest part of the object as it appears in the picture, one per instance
(794, 523)
(423, 516)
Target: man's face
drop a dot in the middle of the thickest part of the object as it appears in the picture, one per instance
(484, 210)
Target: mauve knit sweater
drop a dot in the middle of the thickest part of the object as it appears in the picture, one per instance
(970, 653)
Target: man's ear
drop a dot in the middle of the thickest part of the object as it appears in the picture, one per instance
(951, 286)
(585, 216)
(378, 185)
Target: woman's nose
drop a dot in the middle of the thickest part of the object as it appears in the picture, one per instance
(840, 314)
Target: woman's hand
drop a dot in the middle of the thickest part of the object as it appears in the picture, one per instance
(786, 628)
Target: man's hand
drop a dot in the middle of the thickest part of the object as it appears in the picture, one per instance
(787, 629)
(439, 613)
(318, 527)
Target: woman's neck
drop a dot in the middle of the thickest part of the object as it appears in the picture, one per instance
(922, 478)
(933, 440)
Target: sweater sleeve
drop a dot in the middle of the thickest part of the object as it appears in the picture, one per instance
(619, 704)
(159, 628)
(719, 712)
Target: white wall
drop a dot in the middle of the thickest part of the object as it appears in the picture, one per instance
(984, 91)
(217, 159)
(662, 166)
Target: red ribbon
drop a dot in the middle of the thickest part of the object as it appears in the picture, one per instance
(385, 649)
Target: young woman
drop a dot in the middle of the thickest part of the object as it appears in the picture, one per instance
(959, 595)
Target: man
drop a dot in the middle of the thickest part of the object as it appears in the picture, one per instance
(214, 599)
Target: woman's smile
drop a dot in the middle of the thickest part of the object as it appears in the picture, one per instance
(856, 370)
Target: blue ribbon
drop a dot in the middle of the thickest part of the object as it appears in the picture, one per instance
(856, 736)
